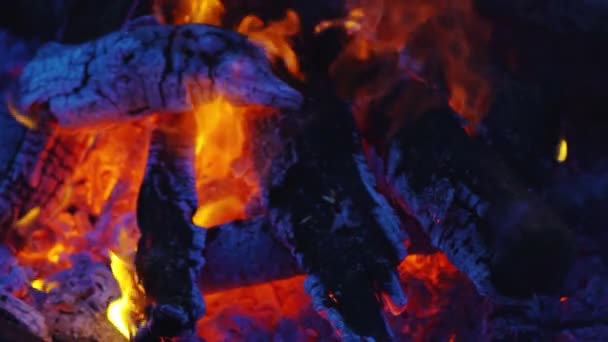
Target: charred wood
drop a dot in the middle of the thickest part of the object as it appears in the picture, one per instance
(75, 310)
(36, 164)
(169, 254)
(20, 321)
(244, 253)
(475, 210)
(144, 70)
(348, 243)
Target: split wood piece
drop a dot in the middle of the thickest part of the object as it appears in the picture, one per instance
(20, 321)
(169, 254)
(348, 243)
(474, 210)
(76, 309)
(147, 69)
(34, 165)
(244, 253)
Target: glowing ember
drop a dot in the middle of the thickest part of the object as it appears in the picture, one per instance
(120, 312)
(265, 305)
(562, 150)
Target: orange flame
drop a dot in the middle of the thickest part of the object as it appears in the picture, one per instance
(224, 174)
(452, 35)
(274, 38)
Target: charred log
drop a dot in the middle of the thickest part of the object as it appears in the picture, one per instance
(20, 321)
(169, 254)
(341, 237)
(244, 253)
(36, 164)
(75, 310)
(473, 209)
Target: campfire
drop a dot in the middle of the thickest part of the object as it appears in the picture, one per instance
(381, 170)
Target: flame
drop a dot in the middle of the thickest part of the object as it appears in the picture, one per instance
(428, 33)
(28, 219)
(205, 11)
(208, 12)
(562, 150)
(120, 312)
(274, 38)
(224, 173)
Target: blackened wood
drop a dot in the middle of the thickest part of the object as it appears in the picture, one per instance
(343, 239)
(36, 165)
(475, 210)
(244, 253)
(169, 253)
(20, 321)
(76, 310)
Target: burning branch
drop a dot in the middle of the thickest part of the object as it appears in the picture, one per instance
(169, 254)
(150, 69)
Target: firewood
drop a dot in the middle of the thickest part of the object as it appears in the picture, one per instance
(75, 309)
(169, 254)
(145, 70)
(20, 321)
(347, 241)
(244, 253)
(502, 236)
(35, 164)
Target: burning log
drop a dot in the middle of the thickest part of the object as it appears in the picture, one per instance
(347, 243)
(20, 321)
(75, 306)
(145, 70)
(169, 254)
(36, 163)
(244, 253)
(474, 210)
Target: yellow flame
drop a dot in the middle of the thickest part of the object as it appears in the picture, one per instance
(119, 311)
(205, 11)
(29, 218)
(44, 286)
(38, 284)
(21, 118)
(562, 150)
(275, 38)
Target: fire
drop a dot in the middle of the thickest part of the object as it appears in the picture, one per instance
(427, 33)
(267, 305)
(205, 11)
(562, 150)
(120, 311)
(274, 38)
(190, 11)
(221, 161)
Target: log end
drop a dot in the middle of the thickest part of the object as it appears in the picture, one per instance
(534, 250)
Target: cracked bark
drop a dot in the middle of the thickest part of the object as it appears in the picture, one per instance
(169, 254)
(346, 242)
(474, 210)
(144, 70)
